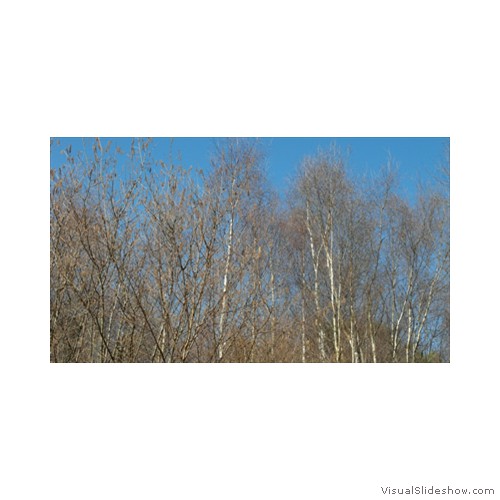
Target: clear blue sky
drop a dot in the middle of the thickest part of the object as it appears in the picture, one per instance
(417, 158)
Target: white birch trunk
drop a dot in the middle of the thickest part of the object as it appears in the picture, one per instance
(221, 341)
(321, 333)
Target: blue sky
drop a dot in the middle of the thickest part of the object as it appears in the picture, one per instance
(417, 158)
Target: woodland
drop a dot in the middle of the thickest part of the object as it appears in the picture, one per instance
(152, 261)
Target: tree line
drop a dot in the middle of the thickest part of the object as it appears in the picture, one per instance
(151, 261)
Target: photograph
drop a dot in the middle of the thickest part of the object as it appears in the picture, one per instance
(250, 250)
